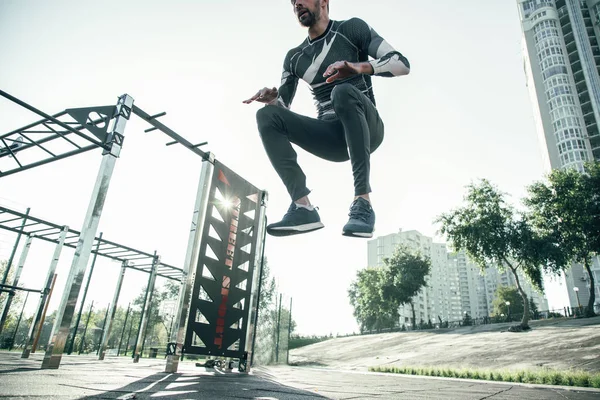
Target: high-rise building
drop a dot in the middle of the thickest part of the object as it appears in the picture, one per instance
(562, 63)
(562, 56)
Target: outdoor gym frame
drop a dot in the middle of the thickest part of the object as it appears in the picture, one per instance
(234, 231)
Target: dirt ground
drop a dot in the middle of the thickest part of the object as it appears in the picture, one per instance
(557, 344)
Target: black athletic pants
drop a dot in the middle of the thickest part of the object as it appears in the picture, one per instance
(353, 135)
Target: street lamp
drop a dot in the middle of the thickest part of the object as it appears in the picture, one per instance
(508, 310)
(576, 289)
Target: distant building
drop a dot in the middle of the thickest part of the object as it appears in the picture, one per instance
(455, 285)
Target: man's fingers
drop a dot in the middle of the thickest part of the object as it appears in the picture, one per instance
(251, 99)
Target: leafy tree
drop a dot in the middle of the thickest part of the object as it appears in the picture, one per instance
(467, 320)
(491, 233)
(371, 310)
(533, 309)
(404, 276)
(510, 294)
(16, 305)
(566, 209)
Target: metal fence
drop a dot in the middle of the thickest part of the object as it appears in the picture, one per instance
(273, 331)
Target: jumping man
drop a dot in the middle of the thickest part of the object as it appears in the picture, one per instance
(334, 61)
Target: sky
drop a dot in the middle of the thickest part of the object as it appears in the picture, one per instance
(462, 114)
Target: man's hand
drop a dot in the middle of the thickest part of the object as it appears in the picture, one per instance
(344, 69)
(265, 95)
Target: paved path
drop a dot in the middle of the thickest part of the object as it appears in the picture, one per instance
(83, 377)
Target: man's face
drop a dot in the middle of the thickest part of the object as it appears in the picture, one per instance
(307, 11)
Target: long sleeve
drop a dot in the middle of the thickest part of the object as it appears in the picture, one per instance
(387, 61)
(289, 84)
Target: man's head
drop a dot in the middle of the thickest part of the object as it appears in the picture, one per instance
(309, 12)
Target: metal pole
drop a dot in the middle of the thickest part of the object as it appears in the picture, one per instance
(85, 329)
(278, 326)
(111, 316)
(64, 316)
(12, 342)
(14, 249)
(129, 333)
(255, 301)
(85, 291)
(123, 330)
(191, 260)
(141, 315)
(39, 332)
(103, 327)
(146, 312)
(36, 323)
(289, 333)
(15, 282)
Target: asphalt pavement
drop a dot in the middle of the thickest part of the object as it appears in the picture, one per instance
(84, 377)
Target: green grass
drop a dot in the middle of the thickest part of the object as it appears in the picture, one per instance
(542, 376)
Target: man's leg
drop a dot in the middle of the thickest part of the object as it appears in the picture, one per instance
(364, 133)
(279, 128)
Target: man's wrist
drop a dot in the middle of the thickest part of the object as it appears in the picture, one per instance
(366, 68)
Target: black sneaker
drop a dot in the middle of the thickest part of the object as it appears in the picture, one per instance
(295, 221)
(362, 219)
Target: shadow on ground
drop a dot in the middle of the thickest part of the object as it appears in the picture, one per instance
(208, 384)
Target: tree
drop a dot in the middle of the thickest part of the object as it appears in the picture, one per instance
(510, 294)
(491, 233)
(404, 275)
(566, 209)
(371, 310)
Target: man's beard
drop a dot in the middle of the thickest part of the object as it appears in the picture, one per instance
(310, 18)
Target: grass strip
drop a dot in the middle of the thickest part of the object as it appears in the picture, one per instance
(544, 376)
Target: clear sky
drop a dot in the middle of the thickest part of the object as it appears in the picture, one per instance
(462, 114)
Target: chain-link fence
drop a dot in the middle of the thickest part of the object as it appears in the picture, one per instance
(273, 330)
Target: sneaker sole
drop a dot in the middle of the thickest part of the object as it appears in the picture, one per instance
(358, 234)
(295, 230)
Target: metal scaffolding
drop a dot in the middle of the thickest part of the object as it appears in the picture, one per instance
(78, 130)
(12, 220)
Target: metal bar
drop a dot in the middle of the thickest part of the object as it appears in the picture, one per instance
(50, 276)
(10, 220)
(191, 260)
(16, 131)
(145, 313)
(81, 344)
(12, 342)
(39, 331)
(61, 135)
(111, 316)
(64, 316)
(123, 330)
(103, 327)
(157, 124)
(36, 144)
(48, 160)
(7, 147)
(129, 333)
(278, 329)
(287, 361)
(257, 283)
(48, 117)
(41, 230)
(85, 291)
(18, 288)
(14, 249)
(15, 281)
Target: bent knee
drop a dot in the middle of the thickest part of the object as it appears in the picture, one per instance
(266, 116)
(342, 92)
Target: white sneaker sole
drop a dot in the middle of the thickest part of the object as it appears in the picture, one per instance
(299, 228)
(359, 234)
